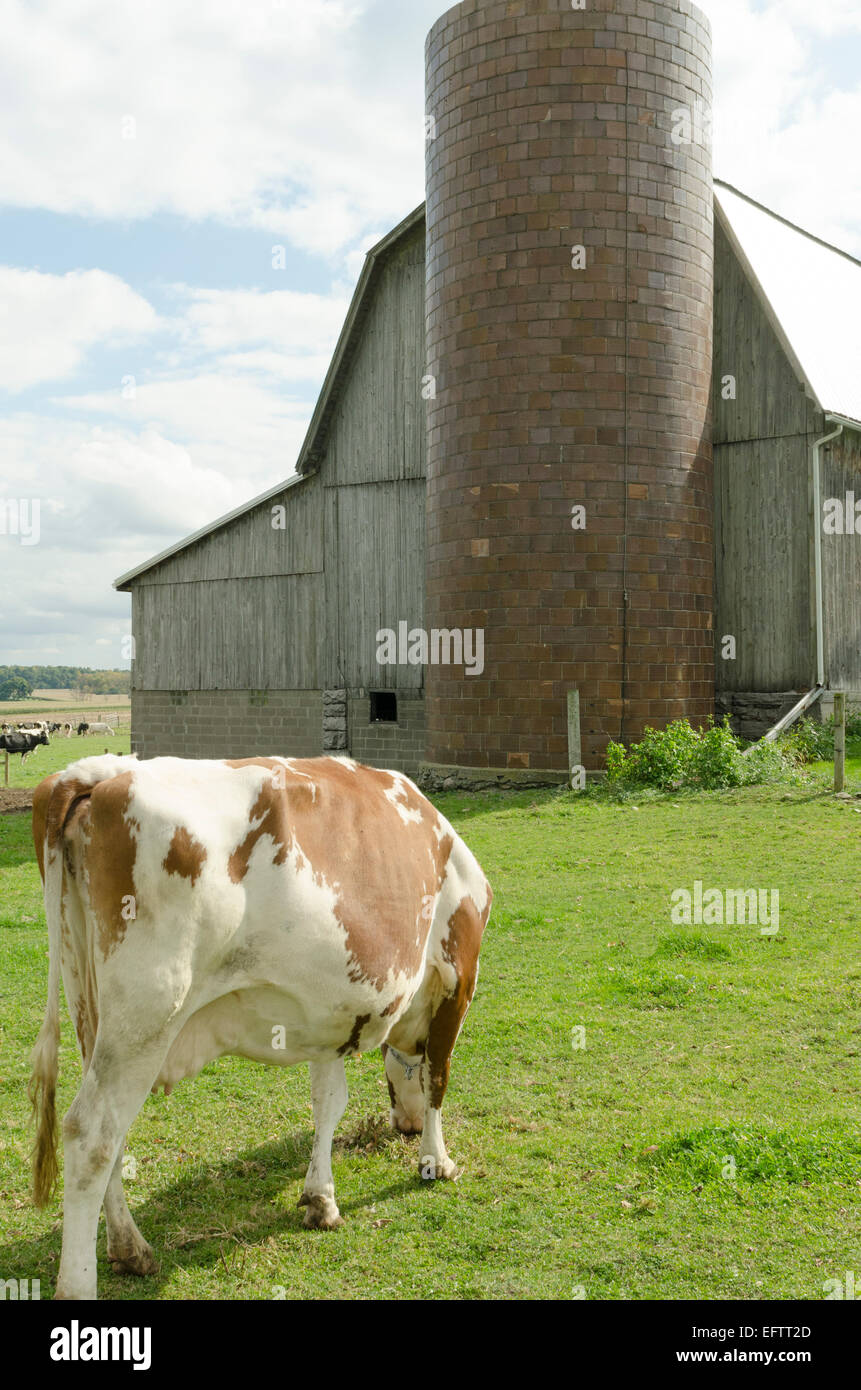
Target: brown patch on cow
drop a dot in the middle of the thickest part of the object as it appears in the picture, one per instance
(461, 948)
(391, 1008)
(352, 1043)
(355, 841)
(185, 857)
(270, 810)
(110, 857)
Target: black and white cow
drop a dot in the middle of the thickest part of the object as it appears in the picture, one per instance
(23, 743)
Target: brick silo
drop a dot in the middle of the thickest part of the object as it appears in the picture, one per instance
(568, 379)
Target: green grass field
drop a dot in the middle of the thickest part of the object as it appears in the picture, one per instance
(703, 1143)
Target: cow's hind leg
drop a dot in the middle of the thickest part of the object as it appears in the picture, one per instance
(329, 1098)
(464, 941)
(128, 1252)
(111, 1094)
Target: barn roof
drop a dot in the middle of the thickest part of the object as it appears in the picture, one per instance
(811, 292)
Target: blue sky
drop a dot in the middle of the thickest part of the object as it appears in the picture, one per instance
(154, 155)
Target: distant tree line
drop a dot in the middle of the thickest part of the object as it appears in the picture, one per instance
(19, 682)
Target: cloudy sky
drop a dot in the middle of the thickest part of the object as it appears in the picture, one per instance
(156, 368)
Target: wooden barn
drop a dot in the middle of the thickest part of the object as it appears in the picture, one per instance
(788, 575)
(259, 633)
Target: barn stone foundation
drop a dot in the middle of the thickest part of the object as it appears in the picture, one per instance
(752, 713)
(434, 778)
(569, 332)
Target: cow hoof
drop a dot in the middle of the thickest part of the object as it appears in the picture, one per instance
(139, 1262)
(322, 1213)
(433, 1169)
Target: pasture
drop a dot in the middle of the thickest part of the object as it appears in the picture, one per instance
(643, 1110)
(59, 753)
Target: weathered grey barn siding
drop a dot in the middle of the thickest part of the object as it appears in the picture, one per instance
(377, 433)
(257, 633)
(242, 609)
(374, 578)
(373, 472)
(762, 494)
(761, 542)
(841, 569)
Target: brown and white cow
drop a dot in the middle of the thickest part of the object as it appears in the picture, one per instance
(283, 910)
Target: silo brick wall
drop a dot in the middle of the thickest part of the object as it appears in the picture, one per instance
(559, 387)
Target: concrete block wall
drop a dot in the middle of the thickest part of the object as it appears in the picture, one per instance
(227, 723)
(399, 746)
(287, 723)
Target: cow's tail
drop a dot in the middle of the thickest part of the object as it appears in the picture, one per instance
(44, 1059)
(52, 802)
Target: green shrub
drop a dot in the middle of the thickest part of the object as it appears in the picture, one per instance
(659, 761)
(709, 759)
(811, 742)
(716, 759)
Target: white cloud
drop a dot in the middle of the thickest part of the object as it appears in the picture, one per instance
(247, 111)
(283, 319)
(785, 131)
(49, 323)
(233, 424)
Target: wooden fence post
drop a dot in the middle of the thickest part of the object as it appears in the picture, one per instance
(839, 740)
(575, 758)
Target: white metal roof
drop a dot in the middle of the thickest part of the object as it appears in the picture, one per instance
(812, 292)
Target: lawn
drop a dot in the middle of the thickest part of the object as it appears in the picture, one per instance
(643, 1110)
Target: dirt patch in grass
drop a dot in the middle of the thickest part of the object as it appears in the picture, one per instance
(15, 799)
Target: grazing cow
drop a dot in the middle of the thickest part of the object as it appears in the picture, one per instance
(100, 727)
(23, 742)
(278, 909)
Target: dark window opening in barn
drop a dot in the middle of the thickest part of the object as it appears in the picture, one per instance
(384, 707)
